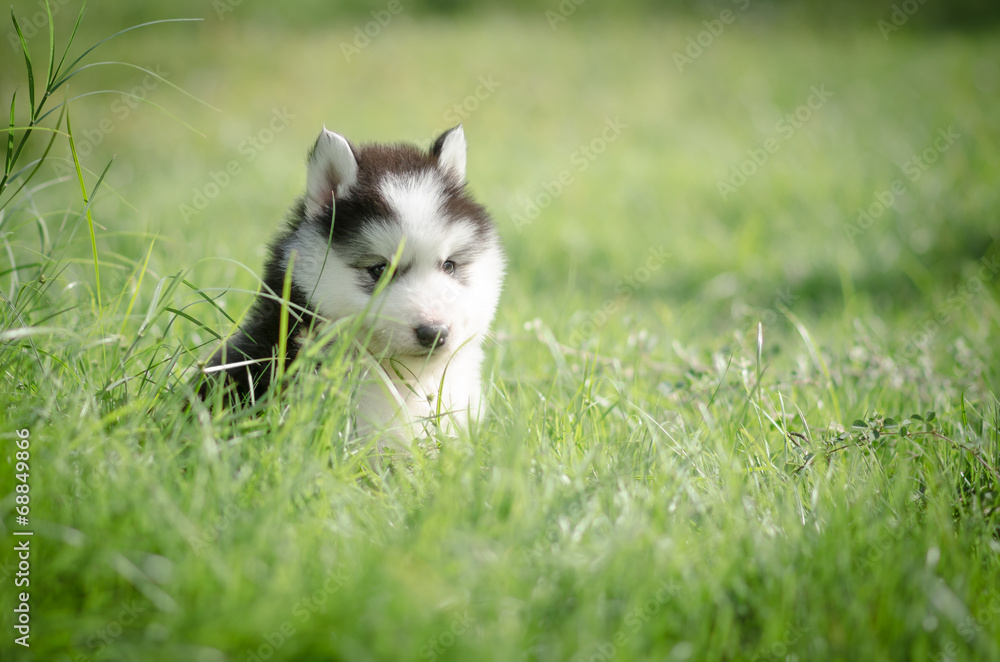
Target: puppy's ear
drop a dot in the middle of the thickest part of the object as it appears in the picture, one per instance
(449, 149)
(333, 170)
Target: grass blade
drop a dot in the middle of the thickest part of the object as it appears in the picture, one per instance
(816, 357)
(9, 160)
(286, 293)
(69, 42)
(30, 331)
(38, 163)
(197, 290)
(193, 320)
(86, 201)
(138, 285)
(27, 63)
(127, 94)
(154, 75)
(75, 62)
(52, 45)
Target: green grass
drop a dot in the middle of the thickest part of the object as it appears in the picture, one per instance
(663, 483)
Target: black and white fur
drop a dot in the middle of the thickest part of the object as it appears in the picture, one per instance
(427, 324)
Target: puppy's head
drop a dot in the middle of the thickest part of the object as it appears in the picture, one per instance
(407, 244)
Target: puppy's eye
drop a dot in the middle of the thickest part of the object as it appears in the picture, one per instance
(377, 270)
(448, 267)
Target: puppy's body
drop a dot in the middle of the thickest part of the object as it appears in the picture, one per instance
(424, 328)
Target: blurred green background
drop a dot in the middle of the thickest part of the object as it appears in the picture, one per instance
(556, 83)
(554, 74)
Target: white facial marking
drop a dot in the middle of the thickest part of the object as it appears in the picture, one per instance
(421, 293)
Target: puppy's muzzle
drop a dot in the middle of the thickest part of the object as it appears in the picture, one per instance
(431, 336)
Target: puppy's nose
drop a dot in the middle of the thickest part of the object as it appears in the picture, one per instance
(431, 336)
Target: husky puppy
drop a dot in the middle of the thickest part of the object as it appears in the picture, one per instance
(421, 332)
